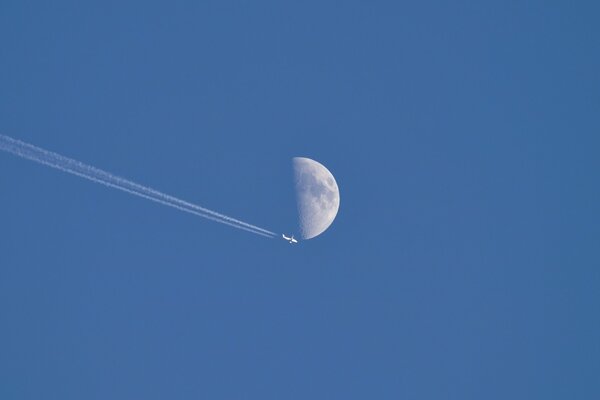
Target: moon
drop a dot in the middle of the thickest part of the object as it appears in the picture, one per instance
(317, 196)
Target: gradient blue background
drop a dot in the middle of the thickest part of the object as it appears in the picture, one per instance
(463, 263)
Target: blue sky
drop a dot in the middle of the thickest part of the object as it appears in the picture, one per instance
(464, 259)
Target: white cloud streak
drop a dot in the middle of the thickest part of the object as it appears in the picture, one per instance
(97, 175)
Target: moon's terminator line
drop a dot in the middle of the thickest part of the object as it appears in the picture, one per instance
(97, 175)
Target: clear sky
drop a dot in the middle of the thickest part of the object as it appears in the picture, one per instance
(463, 263)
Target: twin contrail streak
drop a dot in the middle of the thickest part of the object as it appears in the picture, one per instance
(94, 174)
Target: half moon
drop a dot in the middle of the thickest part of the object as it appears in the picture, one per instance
(317, 197)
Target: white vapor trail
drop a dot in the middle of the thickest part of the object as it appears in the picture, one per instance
(93, 174)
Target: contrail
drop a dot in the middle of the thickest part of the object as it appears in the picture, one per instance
(94, 174)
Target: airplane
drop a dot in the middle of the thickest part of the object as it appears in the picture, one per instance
(290, 239)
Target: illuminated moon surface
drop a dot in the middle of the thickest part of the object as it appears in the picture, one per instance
(317, 197)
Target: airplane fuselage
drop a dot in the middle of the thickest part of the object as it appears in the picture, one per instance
(291, 239)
